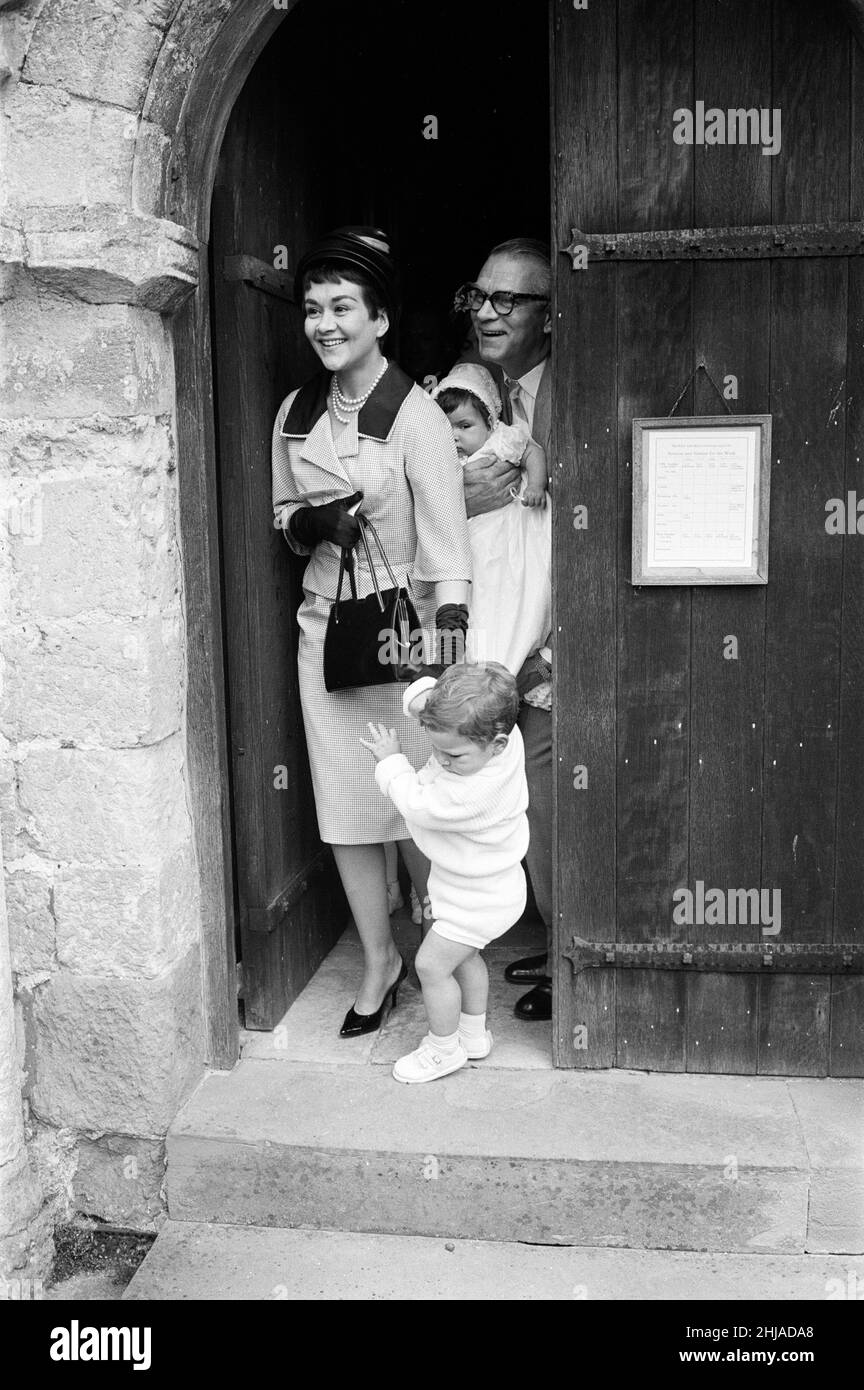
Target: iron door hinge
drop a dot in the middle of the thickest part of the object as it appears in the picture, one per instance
(267, 919)
(806, 958)
(718, 243)
(260, 275)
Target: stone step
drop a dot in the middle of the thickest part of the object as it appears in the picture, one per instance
(191, 1260)
(628, 1159)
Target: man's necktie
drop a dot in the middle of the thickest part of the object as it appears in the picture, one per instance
(517, 402)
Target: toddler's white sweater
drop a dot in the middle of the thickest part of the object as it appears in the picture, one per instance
(473, 830)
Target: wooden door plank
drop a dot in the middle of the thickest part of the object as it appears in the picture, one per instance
(206, 746)
(655, 71)
(246, 765)
(733, 69)
(803, 647)
(655, 359)
(856, 137)
(727, 696)
(793, 1025)
(653, 686)
(731, 302)
(811, 70)
(584, 474)
(847, 996)
(267, 195)
(811, 74)
(846, 1043)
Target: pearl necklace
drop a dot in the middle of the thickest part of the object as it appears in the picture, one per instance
(346, 406)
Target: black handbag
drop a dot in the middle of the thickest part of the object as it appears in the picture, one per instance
(369, 640)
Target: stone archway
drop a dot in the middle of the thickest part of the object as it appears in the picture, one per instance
(113, 831)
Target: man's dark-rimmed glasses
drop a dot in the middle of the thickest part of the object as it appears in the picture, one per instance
(502, 301)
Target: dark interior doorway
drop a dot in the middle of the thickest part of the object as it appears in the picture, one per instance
(331, 128)
(363, 78)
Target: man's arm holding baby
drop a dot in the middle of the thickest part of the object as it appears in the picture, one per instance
(488, 481)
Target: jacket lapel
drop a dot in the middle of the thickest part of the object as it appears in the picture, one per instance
(378, 415)
(542, 430)
(317, 470)
(319, 466)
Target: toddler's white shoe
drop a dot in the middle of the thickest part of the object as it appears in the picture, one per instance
(426, 1063)
(477, 1047)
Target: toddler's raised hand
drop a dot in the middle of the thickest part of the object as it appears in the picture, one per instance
(382, 742)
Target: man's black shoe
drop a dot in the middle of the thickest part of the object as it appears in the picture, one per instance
(529, 968)
(536, 1005)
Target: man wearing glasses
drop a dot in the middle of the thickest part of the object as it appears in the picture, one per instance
(510, 308)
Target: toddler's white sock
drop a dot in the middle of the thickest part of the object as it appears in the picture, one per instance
(473, 1025)
(448, 1045)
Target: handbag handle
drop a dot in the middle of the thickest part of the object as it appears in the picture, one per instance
(365, 522)
(348, 564)
(344, 563)
(369, 562)
(401, 614)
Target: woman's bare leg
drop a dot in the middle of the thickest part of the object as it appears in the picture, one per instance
(418, 869)
(417, 865)
(364, 878)
(391, 859)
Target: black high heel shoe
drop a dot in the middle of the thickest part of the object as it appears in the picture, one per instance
(356, 1024)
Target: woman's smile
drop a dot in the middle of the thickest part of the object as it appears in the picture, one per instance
(342, 331)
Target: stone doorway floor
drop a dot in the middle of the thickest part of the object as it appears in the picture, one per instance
(309, 1032)
(308, 1172)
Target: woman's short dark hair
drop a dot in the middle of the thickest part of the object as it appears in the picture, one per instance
(331, 273)
(453, 398)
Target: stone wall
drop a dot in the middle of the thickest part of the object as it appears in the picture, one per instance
(100, 868)
(101, 876)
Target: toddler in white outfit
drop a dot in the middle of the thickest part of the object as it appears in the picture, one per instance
(465, 810)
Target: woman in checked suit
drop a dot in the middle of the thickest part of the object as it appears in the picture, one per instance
(361, 432)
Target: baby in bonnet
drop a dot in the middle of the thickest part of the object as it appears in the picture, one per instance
(511, 548)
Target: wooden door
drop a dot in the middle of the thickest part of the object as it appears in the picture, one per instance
(290, 903)
(744, 773)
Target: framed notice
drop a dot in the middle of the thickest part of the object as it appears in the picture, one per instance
(701, 491)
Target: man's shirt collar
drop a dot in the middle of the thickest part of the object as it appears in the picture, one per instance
(530, 382)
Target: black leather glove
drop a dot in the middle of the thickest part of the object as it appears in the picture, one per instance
(451, 624)
(331, 522)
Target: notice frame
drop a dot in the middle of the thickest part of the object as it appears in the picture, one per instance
(701, 499)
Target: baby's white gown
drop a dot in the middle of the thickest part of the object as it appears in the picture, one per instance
(511, 550)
